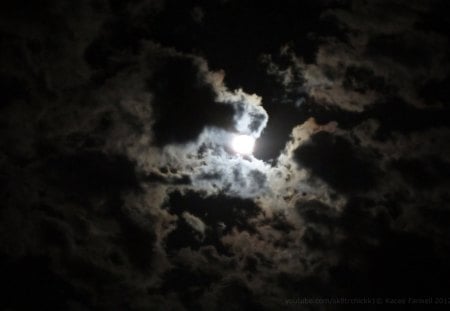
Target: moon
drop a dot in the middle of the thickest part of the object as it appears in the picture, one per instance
(243, 144)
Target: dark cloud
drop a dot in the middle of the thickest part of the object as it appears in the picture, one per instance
(184, 102)
(32, 276)
(398, 263)
(436, 91)
(340, 164)
(160, 178)
(400, 117)
(400, 48)
(220, 215)
(12, 89)
(426, 172)
(85, 174)
(362, 79)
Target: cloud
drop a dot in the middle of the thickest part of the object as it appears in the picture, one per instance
(119, 185)
(92, 173)
(184, 103)
(219, 213)
(194, 222)
(367, 63)
(337, 162)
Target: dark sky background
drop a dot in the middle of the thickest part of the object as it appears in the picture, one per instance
(119, 189)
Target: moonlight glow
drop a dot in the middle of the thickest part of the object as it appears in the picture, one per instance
(243, 144)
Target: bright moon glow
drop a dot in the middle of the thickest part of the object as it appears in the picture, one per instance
(243, 144)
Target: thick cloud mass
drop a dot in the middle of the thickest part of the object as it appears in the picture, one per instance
(337, 162)
(120, 189)
(184, 104)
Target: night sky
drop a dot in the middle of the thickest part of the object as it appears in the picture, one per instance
(121, 187)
